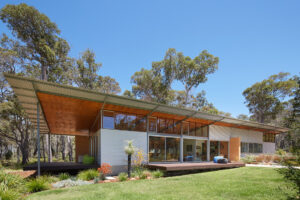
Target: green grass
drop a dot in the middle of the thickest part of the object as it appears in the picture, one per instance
(242, 183)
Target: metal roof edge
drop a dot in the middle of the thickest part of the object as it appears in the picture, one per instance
(32, 80)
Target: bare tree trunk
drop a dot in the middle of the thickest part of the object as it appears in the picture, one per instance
(56, 147)
(18, 154)
(48, 147)
(43, 147)
(70, 148)
(63, 147)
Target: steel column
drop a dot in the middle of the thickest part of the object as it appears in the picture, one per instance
(38, 139)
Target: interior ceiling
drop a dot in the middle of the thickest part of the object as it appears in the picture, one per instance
(71, 116)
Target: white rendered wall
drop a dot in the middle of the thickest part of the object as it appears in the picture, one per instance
(268, 147)
(221, 133)
(113, 143)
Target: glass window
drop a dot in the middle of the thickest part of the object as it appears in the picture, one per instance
(152, 124)
(251, 148)
(140, 123)
(131, 120)
(214, 149)
(194, 150)
(121, 121)
(269, 137)
(177, 128)
(161, 125)
(185, 128)
(156, 149)
(169, 126)
(244, 147)
(108, 120)
(192, 130)
(172, 149)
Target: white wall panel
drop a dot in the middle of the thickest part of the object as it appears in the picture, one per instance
(114, 141)
(222, 133)
(268, 147)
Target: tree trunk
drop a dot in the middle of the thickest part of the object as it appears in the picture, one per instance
(56, 147)
(18, 154)
(70, 148)
(63, 148)
(48, 147)
(43, 147)
(129, 165)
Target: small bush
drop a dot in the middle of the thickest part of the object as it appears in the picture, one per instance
(87, 160)
(64, 176)
(260, 158)
(123, 176)
(268, 158)
(8, 155)
(281, 152)
(104, 169)
(88, 175)
(11, 182)
(9, 194)
(157, 174)
(49, 178)
(248, 159)
(145, 174)
(277, 159)
(37, 185)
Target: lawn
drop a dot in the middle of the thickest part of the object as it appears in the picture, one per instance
(242, 183)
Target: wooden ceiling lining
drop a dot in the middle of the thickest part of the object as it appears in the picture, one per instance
(72, 116)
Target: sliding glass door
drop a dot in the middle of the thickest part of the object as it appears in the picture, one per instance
(164, 149)
(194, 150)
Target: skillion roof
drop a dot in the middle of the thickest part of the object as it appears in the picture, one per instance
(70, 110)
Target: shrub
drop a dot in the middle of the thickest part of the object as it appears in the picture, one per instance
(248, 159)
(8, 155)
(37, 185)
(277, 159)
(11, 182)
(88, 175)
(145, 174)
(64, 176)
(123, 176)
(260, 158)
(9, 194)
(104, 169)
(281, 152)
(157, 174)
(11, 186)
(88, 159)
(49, 178)
(268, 158)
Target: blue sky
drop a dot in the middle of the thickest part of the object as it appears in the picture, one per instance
(253, 39)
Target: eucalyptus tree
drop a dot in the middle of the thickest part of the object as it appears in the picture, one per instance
(266, 99)
(192, 72)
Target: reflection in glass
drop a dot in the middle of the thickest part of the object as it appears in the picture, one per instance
(108, 120)
(156, 149)
(172, 149)
(194, 150)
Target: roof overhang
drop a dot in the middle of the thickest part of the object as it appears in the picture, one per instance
(61, 102)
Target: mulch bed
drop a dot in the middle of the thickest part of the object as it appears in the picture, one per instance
(24, 174)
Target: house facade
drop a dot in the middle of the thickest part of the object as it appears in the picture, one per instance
(103, 124)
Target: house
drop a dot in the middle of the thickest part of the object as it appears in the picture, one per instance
(103, 123)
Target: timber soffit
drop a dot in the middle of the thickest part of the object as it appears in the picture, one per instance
(28, 84)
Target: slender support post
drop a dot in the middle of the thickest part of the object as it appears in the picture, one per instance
(208, 146)
(147, 129)
(181, 144)
(49, 148)
(38, 140)
(219, 146)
